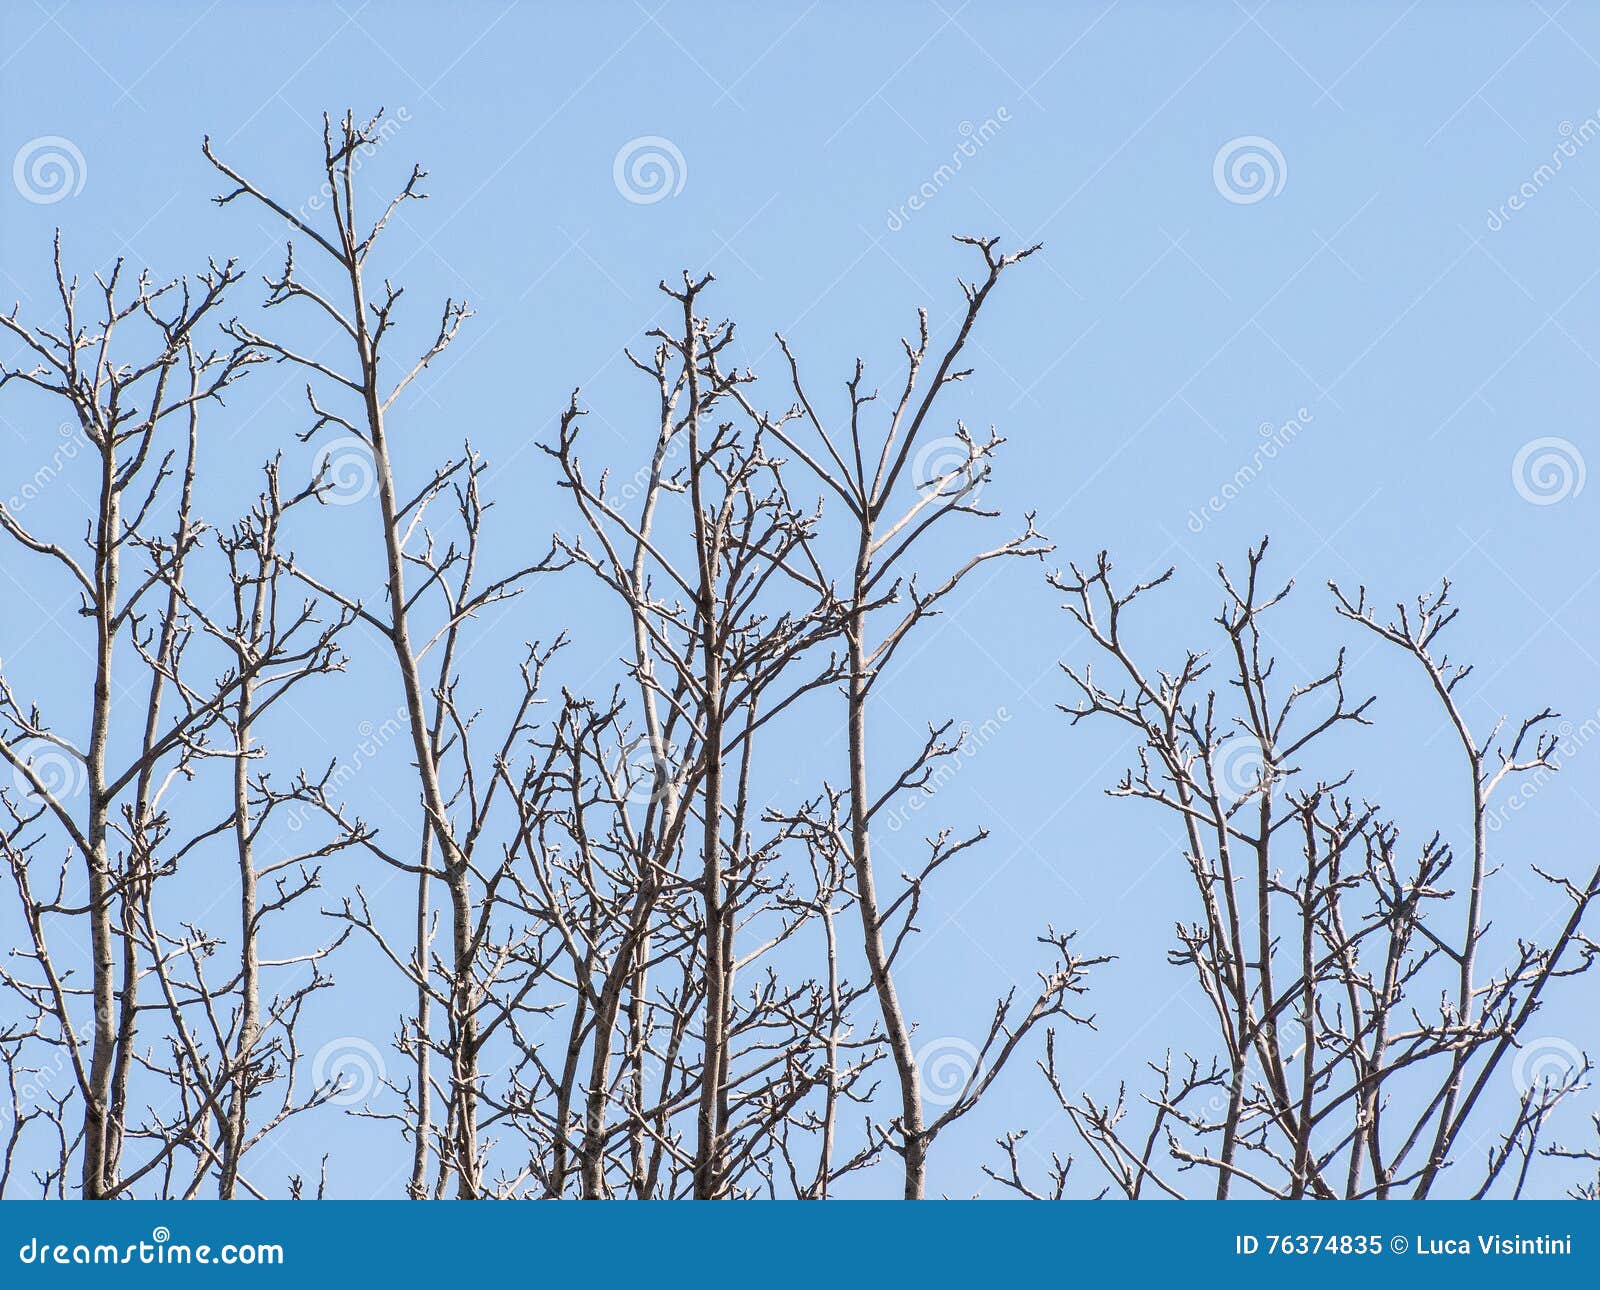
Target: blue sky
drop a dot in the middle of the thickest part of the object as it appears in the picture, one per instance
(1378, 291)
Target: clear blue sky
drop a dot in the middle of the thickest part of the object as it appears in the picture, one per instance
(1130, 365)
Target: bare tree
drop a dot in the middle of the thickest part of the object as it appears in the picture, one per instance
(254, 1045)
(638, 954)
(723, 612)
(118, 404)
(895, 488)
(128, 364)
(457, 791)
(1319, 940)
(1589, 1188)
